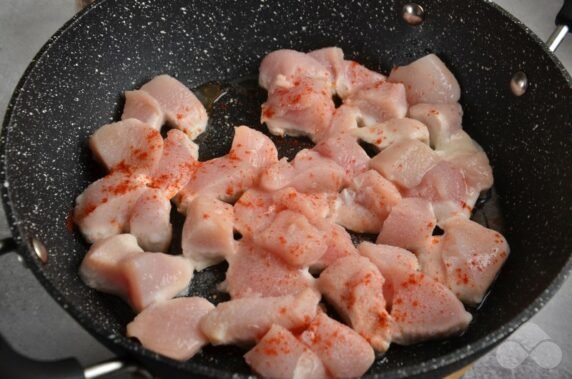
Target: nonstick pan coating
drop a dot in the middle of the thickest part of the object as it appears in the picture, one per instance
(75, 83)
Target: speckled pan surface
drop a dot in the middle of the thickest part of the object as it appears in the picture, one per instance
(75, 85)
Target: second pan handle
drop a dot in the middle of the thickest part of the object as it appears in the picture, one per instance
(563, 26)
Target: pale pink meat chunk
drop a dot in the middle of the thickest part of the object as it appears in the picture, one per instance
(345, 119)
(255, 272)
(100, 267)
(208, 235)
(344, 149)
(309, 172)
(143, 107)
(282, 67)
(177, 164)
(317, 207)
(227, 177)
(421, 307)
(104, 207)
(379, 102)
(304, 109)
(442, 120)
(427, 80)
(128, 145)
(172, 328)
(375, 193)
(355, 77)
(354, 286)
(153, 278)
(332, 58)
(339, 244)
(386, 133)
(393, 262)
(431, 262)
(476, 169)
(405, 162)
(344, 352)
(353, 215)
(425, 309)
(150, 221)
(409, 225)
(253, 211)
(293, 239)
(445, 186)
(473, 255)
(181, 107)
(243, 321)
(280, 355)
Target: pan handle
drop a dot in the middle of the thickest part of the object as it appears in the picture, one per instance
(563, 26)
(14, 365)
(8, 245)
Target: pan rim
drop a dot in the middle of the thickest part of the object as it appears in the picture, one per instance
(456, 358)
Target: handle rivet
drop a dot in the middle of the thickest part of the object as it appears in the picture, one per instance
(40, 250)
(413, 14)
(519, 83)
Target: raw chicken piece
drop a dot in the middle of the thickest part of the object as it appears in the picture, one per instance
(143, 107)
(425, 309)
(293, 239)
(242, 321)
(309, 172)
(316, 207)
(172, 328)
(227, 177)
(177, 164)
(354, 286)
(386, 133)
(458, 142)
(255, 272)
(208, 236)
(442, 120)
(344, 119)
(344, 149)
(344, 352)
(283, 67)
(366, 203)
(304, 109)
(379, 102)
(150, 221)
(393, 262)
(421, 307)
(472, 255)
(354, 216)
(253, 211)
(355, 77)
(405, 162)
(375, 193)
(339, 244)
(445, 187)
(103, 208)
(100, 267)
(409, 225)
(332, 58)
(129, 146)
(476, 169)
(280, 355)
(153, 278)
(431, 261)
(181, 107)
(427, 80)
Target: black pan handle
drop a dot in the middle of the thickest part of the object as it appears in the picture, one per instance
(13, 365)
(8, 245)
(563, 26)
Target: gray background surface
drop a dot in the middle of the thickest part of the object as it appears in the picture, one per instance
(38, 327)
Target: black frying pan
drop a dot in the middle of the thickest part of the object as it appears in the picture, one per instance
(74, 85)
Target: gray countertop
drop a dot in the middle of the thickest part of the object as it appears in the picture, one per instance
(34, 324)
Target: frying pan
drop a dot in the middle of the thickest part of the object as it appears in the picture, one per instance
(74, 85)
